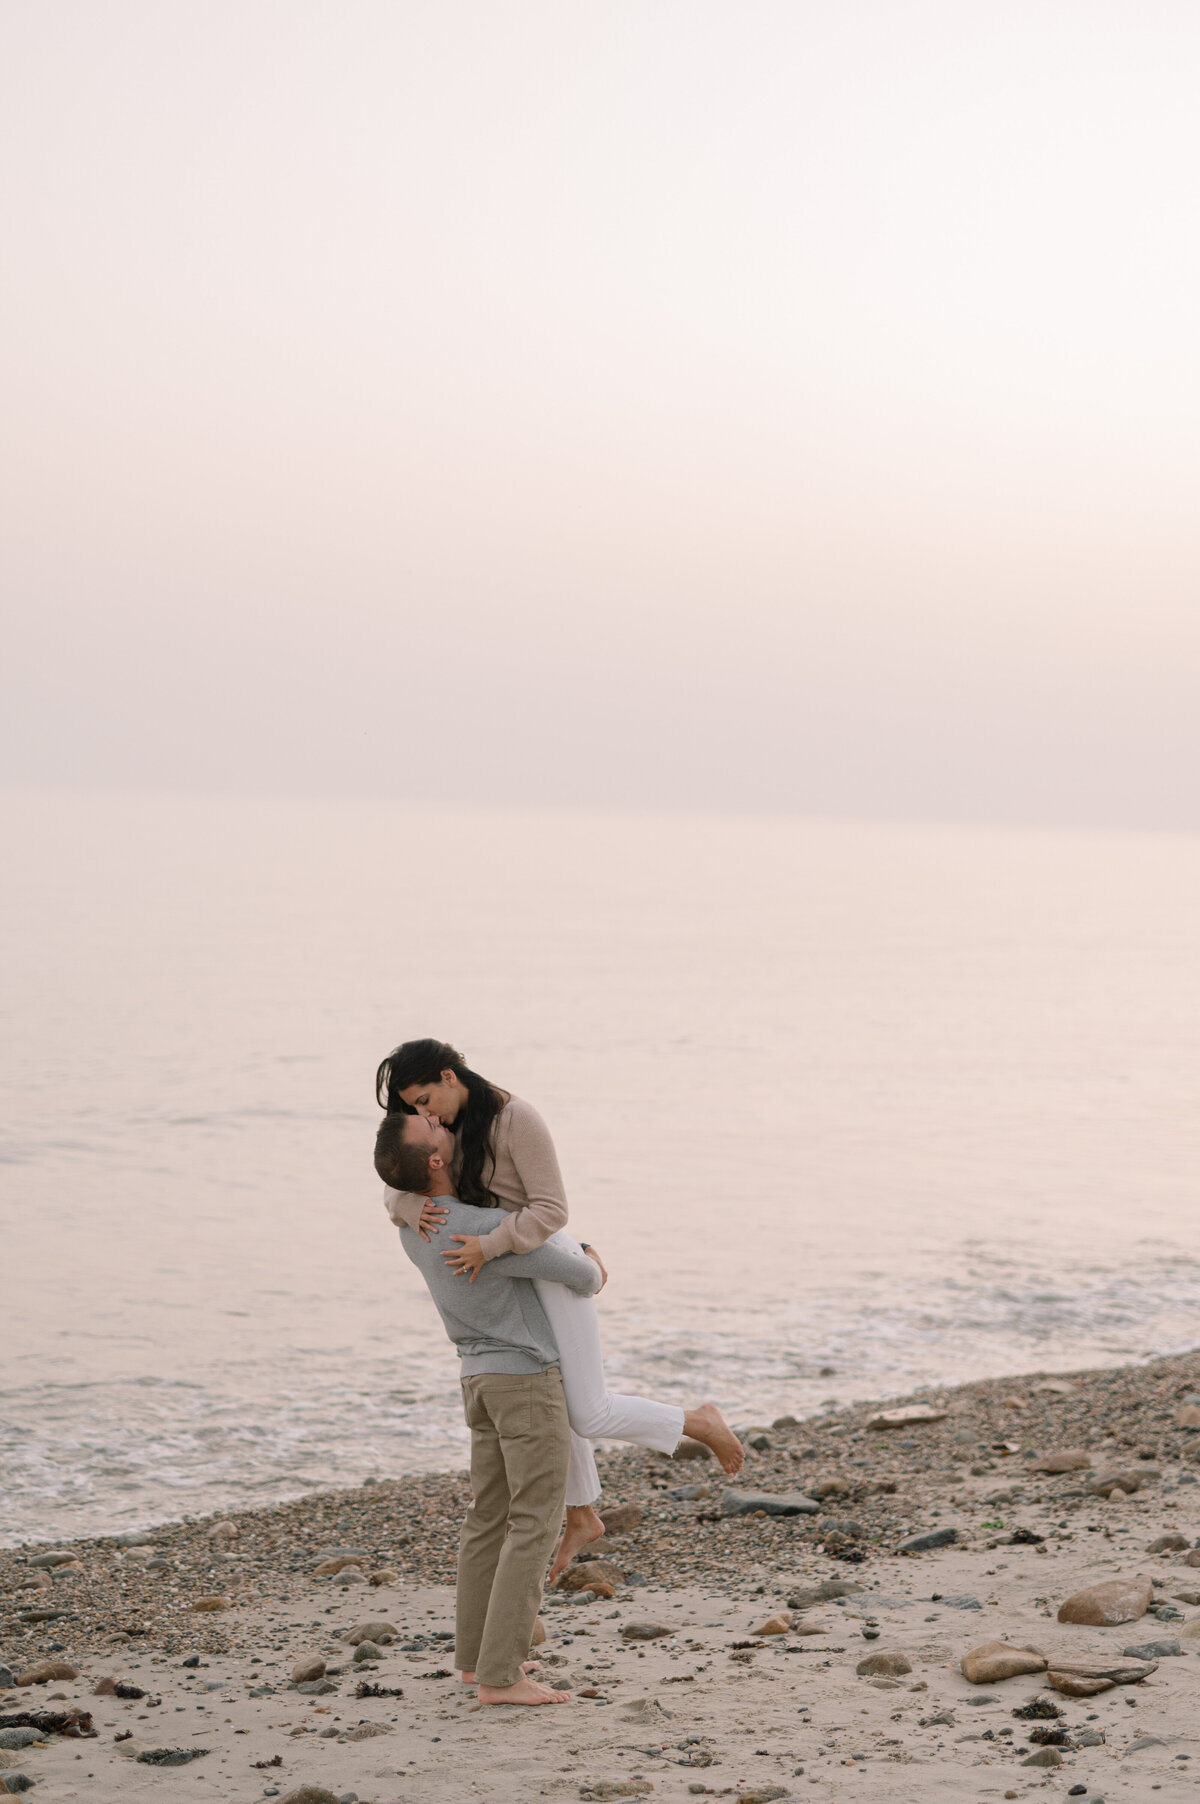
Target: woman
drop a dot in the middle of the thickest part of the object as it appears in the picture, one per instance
(506, 1159)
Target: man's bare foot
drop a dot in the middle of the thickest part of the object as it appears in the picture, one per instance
(707, 1424)
(583, 1525)
(525, 1691)
(468, 1678)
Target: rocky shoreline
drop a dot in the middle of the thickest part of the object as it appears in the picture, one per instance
(992, 1505)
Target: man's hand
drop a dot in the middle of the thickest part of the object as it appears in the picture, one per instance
(466, 1259)
(593, 1254)
(432, 1216)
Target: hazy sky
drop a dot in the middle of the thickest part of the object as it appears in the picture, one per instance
(779, 406)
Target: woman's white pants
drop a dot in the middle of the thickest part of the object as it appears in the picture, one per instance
(595, 1412)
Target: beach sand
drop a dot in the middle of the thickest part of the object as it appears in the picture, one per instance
(690, 1713)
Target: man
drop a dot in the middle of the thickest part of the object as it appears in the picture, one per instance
(515, 1409)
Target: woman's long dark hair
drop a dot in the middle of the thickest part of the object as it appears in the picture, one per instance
(422, 1062)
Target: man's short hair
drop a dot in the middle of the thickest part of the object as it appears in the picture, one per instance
(398, 1161)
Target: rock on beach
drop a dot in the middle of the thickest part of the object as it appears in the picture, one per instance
(1071, 1459)
(379, 1632)
(996, 1660)
(1106, 1605)
(771, 1503)
(911, 1415)
(884, 1666)
(310, 1667)
(1128, 1479)
(46, 1671)
(928, 1540)
(1085, 1678)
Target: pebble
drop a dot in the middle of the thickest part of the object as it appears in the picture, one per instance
(688, 1449)
(47, 1560)
(367, 1651)
(644, 1631)
(16, 1782)
(744, 1503)
(310, 1794)
(20, 1738)
(211, 1604)
(1143, 1741)
(1105, 1605)
(8, 1677)
(1170, 1543)
(996, 1660)
(170, 1756)
(889, 1666)
(223, 1531)
(384, 1577)
(1153, 1650)
(931, 1538)
(961, 1600)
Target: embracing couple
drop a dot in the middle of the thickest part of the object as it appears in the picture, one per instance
(473, 1185)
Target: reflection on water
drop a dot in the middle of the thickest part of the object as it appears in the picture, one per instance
(849, 1109)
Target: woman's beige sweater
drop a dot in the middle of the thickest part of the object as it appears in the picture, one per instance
(526, 1181)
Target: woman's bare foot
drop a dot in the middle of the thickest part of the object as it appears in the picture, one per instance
(707, 1424)
(468, 1678)
(525, 1691)
(583, 1525)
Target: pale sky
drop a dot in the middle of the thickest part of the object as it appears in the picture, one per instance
(672, 404)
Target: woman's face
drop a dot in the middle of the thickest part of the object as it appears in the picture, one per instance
(441, 1101)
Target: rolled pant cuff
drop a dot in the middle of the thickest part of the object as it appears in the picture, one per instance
(500, 1684)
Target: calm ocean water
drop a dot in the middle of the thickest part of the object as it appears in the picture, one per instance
(847, 1109)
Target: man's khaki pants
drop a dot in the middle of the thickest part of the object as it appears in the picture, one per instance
(520, 1444)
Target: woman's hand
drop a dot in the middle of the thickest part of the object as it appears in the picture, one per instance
(467, 1259)
(432, 1216)
(593, 1254)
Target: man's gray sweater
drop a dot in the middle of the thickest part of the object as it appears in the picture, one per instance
(497, 1323)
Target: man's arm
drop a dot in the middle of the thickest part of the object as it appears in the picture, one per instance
(575, 1270)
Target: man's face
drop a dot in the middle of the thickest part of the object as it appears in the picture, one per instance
(428, 1133)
